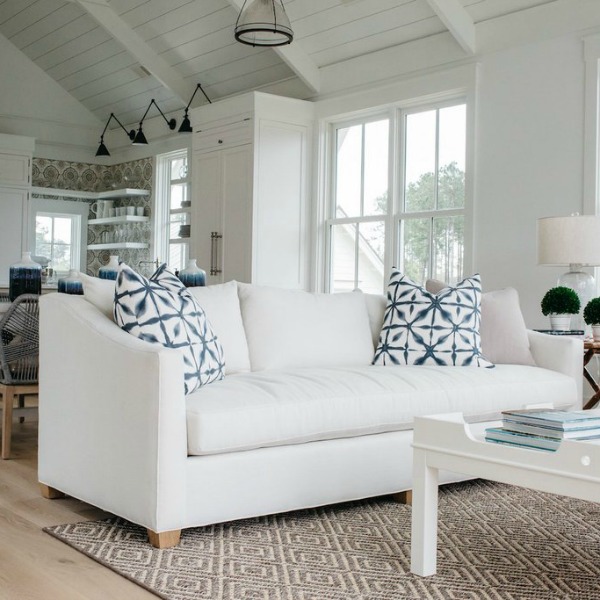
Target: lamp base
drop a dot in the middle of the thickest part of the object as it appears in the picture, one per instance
(584, 285)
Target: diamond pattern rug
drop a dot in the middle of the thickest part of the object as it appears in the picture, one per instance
(495, 542)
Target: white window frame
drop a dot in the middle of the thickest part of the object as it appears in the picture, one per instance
(162, 207)
(396, 113)
(77, 211)
(400, 213)
(331, 219)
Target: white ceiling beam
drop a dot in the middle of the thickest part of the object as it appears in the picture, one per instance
(458, 21)
(109, 20)
(300, 62)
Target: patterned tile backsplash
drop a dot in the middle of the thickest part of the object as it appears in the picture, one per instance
(98, 178)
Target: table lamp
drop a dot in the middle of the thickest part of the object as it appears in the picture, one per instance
(572, 241)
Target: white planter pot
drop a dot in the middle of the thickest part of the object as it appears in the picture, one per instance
(596, 332)
(560, 322)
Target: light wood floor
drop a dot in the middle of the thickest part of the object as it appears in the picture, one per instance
(33, 564)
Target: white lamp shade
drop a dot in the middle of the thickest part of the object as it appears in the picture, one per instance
(569, 240)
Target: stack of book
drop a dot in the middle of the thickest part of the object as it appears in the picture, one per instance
(544, 429)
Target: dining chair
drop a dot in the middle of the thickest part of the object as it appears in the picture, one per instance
(19, 361)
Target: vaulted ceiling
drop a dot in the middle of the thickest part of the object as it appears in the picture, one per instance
(115, 55)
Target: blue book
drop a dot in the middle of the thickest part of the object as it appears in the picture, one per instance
(564, 420)
(498, 434)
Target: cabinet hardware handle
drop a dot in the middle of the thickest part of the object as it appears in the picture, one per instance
(215, 236)
(220, 141)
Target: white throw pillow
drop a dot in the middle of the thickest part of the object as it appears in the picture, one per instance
(504, 338)
(290, 328)
(420, 328)
(100, 292)
(222, 307)
(160, 310)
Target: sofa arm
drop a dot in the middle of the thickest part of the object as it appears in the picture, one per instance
(559, 353)
(112, 426)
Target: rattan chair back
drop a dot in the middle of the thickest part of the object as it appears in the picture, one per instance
(20, 342)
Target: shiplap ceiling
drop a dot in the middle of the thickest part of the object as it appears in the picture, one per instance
(195, 39)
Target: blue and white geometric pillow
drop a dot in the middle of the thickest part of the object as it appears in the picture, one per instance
(420, 328)
(162, 311)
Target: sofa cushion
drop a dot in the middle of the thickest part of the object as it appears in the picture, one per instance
(503, 331)
(291, 328)
(161, 310)
(100, 292)
(222, 307)
(422, 328)
(272, 408)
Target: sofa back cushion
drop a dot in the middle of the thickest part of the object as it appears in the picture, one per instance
(222, 307)
(504, 338)
(100, 293)
(290, 328)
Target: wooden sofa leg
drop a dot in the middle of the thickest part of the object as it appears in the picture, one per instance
(50, 493)
(403, 497)
(164, 539)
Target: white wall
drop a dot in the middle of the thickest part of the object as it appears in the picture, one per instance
(529, 161)
(34, 105)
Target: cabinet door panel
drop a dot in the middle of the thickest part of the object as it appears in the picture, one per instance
(14, 169)
(280, 207)
(236, 183)
(206, 211)
(13, 206)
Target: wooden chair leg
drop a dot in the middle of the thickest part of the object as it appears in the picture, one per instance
(8, 397)
(164, 539)
(403, 497)
(50, 493)
(21, 405)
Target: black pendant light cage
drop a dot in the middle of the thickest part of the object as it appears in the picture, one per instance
(263, 23)
(186, 126)
(102, 149)
(140, 138)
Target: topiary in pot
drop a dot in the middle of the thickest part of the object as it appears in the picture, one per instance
(591, 315)
(559, 303)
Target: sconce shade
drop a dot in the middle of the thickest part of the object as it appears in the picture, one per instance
(186, 126)
(569, 240)
(102, 149)
(263, 23)
(139, 139)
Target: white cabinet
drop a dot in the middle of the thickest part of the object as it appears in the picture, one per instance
(15, 169)
(15, 184)
(250, 202)
(13, 217)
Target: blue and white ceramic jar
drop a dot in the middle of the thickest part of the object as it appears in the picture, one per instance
(192, 275)
(70, 284)
(110, 270)
(25, 277)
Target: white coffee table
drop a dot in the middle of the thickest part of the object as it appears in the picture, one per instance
(446, 442)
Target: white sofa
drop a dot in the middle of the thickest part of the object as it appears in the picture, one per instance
(301, 420)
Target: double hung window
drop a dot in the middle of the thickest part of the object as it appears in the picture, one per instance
(397, 198)
(173, 209)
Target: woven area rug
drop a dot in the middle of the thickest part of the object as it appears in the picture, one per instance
(495, 542)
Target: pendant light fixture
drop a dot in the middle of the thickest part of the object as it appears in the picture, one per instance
(186, 126)
(102, 149)
(263, 23)
(140, 138)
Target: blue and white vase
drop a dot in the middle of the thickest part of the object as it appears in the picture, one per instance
(110, 270)
(192, 275)
(70, 284)
(25, 277)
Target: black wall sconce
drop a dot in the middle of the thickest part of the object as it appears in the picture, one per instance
(140, 138)
(186, 126)
(102, 149)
